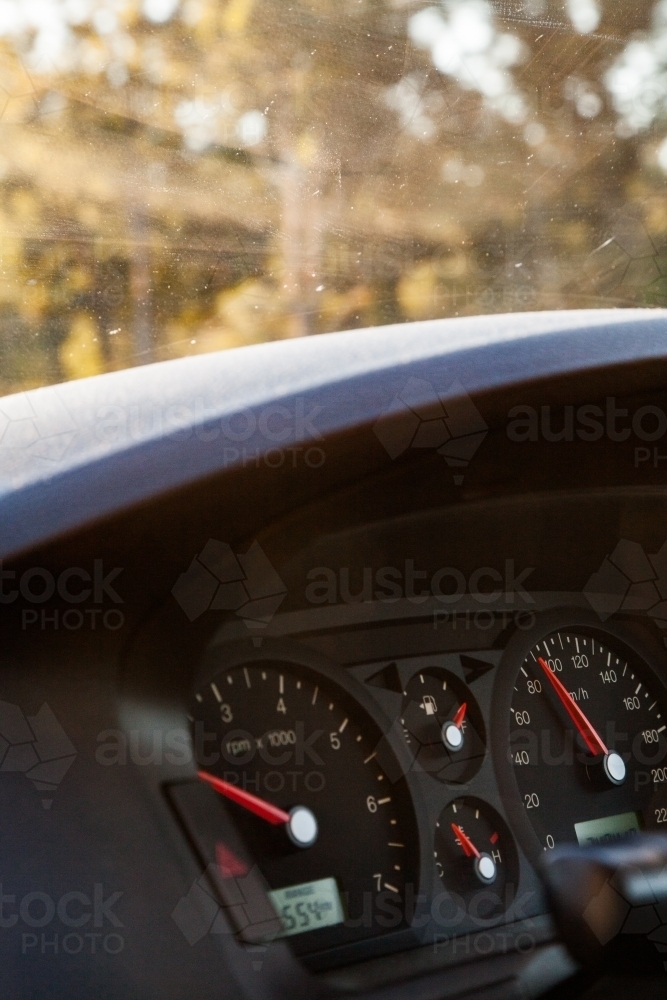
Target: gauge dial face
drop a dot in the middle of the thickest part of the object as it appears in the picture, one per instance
(308, 750)
(475, 857)
(587, 739)
(433, 698)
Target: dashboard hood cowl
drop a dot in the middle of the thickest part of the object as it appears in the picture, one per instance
(74, 453)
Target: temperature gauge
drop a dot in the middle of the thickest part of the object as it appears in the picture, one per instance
(475, 856)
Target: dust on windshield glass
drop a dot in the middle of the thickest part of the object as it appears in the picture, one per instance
(182, 176)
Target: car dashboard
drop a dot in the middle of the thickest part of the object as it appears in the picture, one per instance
(308, 651)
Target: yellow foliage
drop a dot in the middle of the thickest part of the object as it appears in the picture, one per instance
(575, 235)
(204, 340)
(25, 206)
(80, 354)
(249, 313)
(123, 174)
(128, 14)
(337, 307)
(451, 265)
(18, 109)
(252, 310)
(306, 149)
(78, 279)
(235, 15)
(417, 291)
(656, 216)
(34, 298)
(89, 215)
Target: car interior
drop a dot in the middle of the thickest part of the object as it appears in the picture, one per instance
(334, 658)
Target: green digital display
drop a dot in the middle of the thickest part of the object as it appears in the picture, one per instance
(602, 831)
(308, 906)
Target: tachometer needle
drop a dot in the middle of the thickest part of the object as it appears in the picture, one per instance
(299, 822)
(614, 764)
(452, 732)
(253, 803)
(484, 865)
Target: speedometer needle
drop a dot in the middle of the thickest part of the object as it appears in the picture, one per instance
(614, 764)
(299, 822)
(590, 737)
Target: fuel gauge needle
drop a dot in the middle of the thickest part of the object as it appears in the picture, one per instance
(614, 765)
(299, 822)
(484, 865)
(452, 732)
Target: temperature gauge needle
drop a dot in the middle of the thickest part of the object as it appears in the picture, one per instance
(466, 843)
(452, 732)
(299, 822)
(484, 865)
(614, 764)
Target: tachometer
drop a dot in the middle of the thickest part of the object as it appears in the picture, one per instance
(587, 725)
(307, 773)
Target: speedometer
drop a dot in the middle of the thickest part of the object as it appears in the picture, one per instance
(585, 738)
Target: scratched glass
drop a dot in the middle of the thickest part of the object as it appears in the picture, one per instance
(181, 176)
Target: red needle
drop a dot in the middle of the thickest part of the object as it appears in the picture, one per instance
(460, 715)
(466, 843)
(588, 733)
(272, 814)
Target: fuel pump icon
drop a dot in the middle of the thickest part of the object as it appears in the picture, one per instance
(429, 705)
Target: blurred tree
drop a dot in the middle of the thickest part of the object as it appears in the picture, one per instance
(184, 175)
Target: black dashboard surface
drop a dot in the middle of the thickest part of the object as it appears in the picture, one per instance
(393, 518)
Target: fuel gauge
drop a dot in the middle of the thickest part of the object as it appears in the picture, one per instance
(443, 725)
(475, 856)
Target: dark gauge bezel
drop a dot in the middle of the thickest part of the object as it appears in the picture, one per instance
(625, 634)
(224, 657)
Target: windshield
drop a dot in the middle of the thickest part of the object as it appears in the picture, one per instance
(181, 176)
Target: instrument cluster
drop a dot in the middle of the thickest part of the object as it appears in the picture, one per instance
(398, 802)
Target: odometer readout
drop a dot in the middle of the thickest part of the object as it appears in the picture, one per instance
(309, 906)
(588, 743)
